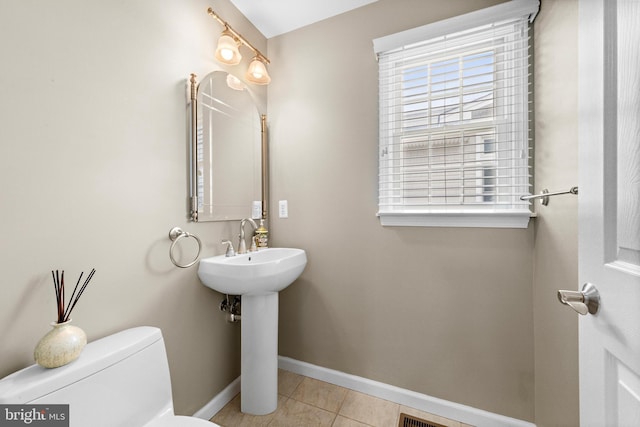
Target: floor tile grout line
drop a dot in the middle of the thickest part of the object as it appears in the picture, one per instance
(344, 399)
(335, 417)
(337, 412)
(355, 420)
(275, 416)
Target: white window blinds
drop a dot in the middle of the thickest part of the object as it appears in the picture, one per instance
(454, 127)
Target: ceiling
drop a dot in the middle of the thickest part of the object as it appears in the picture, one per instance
(275, 17)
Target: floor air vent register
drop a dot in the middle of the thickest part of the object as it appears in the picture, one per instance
(410, 421)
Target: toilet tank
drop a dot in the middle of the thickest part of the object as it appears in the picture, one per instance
(120, 380)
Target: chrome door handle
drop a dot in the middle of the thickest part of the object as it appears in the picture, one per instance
(586, 301)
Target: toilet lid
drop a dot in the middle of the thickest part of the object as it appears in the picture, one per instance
(180, 421)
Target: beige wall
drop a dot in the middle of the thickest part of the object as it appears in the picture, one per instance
(446, 312)
(93, 166)
(94, 174)
(556, 233)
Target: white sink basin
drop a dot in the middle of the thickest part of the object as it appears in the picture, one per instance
(254, 273)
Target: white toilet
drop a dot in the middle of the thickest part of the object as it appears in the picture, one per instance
(120, 380)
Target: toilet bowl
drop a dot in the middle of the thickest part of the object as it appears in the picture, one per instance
(120, 380)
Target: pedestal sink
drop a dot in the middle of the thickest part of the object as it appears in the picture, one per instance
(258, 277)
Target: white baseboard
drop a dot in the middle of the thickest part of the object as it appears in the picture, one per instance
(219, 401)
(423, 402)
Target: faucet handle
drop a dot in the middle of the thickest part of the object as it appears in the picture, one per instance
(230, 251)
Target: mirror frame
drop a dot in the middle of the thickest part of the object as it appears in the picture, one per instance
(193, 161)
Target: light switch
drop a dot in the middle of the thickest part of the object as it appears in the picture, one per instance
(283, 206)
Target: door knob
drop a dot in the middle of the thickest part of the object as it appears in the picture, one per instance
(585, 301)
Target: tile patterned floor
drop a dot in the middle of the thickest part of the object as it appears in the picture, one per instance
(307, 402)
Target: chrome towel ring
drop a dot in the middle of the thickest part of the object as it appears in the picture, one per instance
(175, 234)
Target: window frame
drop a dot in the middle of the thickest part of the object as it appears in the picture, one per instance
(456, 215)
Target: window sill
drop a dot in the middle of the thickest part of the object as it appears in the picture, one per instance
(456, 219)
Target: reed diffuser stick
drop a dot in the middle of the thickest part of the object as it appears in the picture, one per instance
(75, 301)
(58, 285)
(65, 314)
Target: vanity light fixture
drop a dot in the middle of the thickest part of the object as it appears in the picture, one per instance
(228, 52)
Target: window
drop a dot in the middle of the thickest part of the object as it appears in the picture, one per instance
(454, 115)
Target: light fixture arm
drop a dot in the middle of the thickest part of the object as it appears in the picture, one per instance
(237, 35)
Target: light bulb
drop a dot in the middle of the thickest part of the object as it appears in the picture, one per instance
(227, 54)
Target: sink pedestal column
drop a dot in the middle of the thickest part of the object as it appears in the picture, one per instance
(259, 365)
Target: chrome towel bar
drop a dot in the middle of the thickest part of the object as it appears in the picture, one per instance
(544, 196)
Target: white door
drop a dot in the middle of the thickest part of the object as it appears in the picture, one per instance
(609, 211)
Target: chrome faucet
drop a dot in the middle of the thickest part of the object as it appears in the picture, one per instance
(242, 246)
